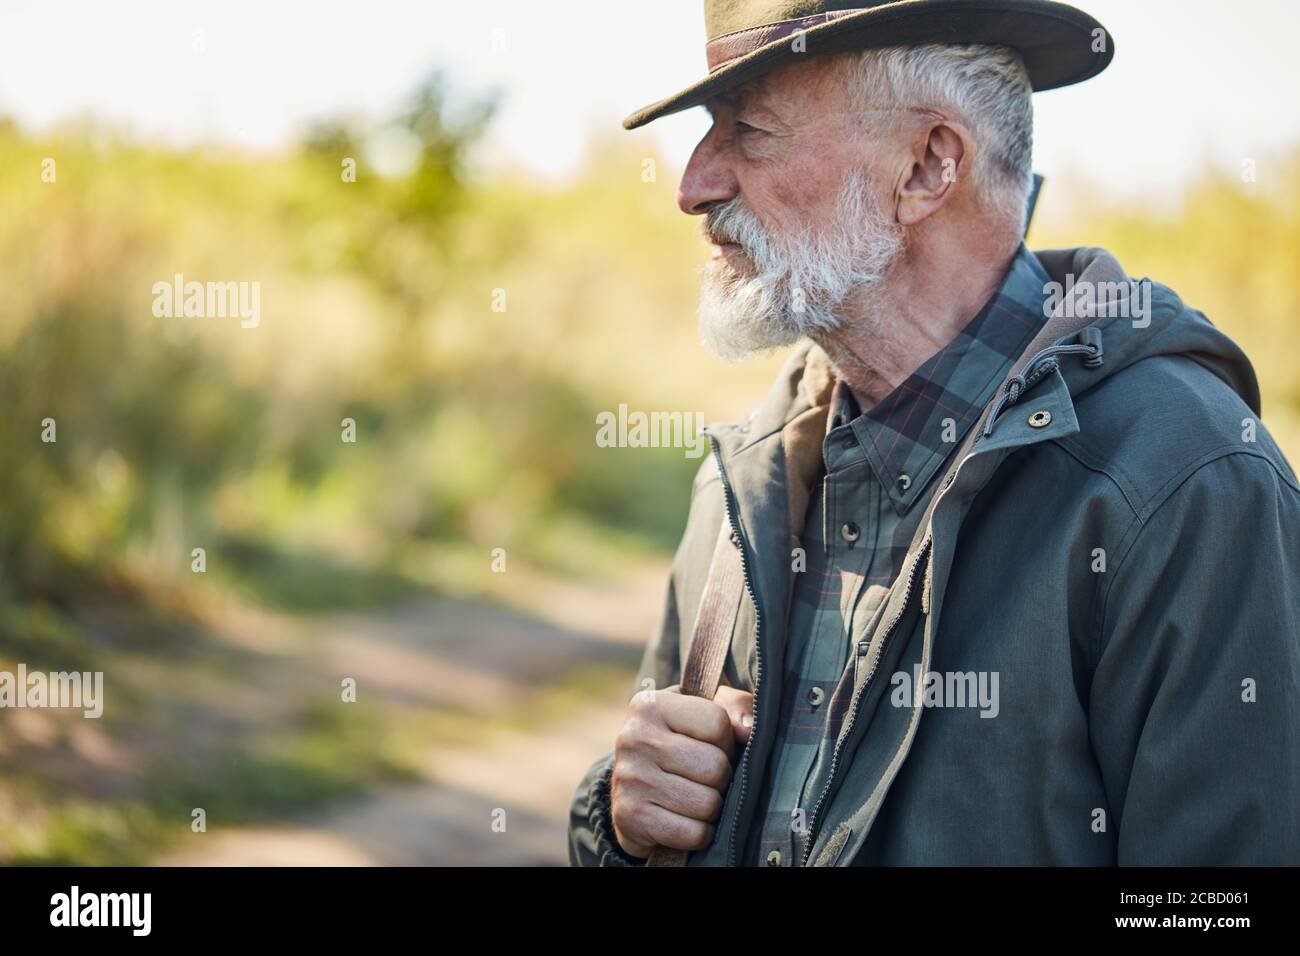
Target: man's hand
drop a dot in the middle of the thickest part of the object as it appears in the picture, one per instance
(672, 765)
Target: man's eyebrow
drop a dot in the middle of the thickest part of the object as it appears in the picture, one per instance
(728, 100)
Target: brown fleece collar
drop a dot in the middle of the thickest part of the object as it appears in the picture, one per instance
(802, 436)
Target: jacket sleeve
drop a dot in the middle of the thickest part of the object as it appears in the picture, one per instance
(591, 832)
(1195, 699)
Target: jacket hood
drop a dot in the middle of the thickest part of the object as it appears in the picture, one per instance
(1140, 319)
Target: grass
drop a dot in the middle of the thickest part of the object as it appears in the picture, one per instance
(327, 757)
(308, 580)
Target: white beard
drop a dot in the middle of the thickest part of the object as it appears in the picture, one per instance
(799, 282)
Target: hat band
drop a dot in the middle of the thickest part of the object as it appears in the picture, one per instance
(731, 45)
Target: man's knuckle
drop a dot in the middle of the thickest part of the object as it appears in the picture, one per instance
(697, 835)
(630, 775)
(634, 732)
(718, 769)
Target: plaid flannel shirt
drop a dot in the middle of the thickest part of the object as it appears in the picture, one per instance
(864, 509)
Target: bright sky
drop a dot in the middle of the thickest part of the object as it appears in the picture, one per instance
(1191, 78)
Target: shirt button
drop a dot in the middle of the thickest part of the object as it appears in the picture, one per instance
(850, 532)
(815, 696)
(904, 482)
(774, 858)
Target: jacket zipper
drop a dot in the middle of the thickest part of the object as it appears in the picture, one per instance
(743, 771)
(857, 701)
(926, 544)
(1092, 347)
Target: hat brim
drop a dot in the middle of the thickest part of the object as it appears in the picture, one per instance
(1057, 43)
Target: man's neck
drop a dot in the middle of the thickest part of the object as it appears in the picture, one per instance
(927, 299)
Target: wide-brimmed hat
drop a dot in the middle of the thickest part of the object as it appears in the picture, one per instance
(1059, 44)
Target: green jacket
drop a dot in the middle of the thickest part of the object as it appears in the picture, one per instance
(1129, 571)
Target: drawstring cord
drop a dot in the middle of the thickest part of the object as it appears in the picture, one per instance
(1042, 365)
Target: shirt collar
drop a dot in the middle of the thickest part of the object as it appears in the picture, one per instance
(909, 434)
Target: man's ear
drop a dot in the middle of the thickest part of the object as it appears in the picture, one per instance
(939, 159)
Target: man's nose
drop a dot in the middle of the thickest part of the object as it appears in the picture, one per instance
(706, 182)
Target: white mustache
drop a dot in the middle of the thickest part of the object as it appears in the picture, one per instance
(731, 223)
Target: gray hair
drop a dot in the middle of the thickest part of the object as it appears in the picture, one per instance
(986, 87)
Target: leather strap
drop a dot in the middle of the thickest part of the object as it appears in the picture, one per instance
(710, 641)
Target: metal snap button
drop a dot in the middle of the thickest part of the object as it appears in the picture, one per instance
(1040, 419)
(904, 482)
(850, 532)
(774, 858)
(815, 696)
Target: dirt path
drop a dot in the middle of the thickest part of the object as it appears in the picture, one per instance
(443, 821)
(478, 657)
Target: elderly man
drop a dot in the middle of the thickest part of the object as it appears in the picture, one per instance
(1004, 569)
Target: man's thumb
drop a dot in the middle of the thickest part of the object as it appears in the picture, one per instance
(739, 705)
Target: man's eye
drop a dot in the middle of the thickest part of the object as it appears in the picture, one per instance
(744, 129)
